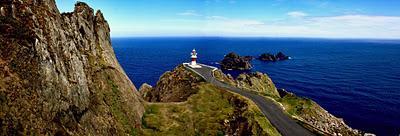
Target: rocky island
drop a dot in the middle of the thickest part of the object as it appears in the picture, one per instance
(233, 61)
(270, 57)
(59, 76)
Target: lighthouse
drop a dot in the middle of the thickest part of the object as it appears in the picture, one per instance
(193, 57)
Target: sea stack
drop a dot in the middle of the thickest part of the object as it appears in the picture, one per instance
(233, 61)
(270, 57)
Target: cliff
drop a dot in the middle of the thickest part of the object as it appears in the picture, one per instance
(59, 74)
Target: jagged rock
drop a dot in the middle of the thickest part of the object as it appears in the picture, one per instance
(234, 61)
(174, 86)
(271, 57)
(59, 74)
(144, 89)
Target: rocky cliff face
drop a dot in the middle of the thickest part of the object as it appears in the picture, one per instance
(59, 74)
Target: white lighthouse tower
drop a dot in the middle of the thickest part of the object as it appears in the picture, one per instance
(193, 63)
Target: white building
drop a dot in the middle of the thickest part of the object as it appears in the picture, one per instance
(193, 63)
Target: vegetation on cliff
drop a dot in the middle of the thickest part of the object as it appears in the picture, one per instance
(257, 81)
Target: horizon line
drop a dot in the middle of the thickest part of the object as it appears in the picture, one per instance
(270, 37)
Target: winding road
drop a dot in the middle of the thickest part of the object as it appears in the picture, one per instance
(275, 114)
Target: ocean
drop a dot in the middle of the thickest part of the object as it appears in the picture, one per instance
(354, 79)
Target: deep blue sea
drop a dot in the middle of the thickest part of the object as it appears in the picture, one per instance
(357, 80)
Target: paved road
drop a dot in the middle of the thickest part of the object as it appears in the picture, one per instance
(275, 114)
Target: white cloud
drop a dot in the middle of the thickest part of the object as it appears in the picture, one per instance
(297, 14)
(357, 26)
(345, 26)
(342, 26)
(216, 17)
(358, 20)
(189, 13)
(228, 22)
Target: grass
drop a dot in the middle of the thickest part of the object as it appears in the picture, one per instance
(117, 108)
(262, 86)
(256, 116)
(295, 105)
(203, 113)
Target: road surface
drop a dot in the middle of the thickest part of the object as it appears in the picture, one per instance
(275, 114)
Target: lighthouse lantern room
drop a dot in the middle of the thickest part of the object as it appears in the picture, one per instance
(193, 63)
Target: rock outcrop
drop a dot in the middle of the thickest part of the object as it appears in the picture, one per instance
(257, 81)
(145, 89)
(270, 57)
(235, 62)
(59, 74)
(174, 86)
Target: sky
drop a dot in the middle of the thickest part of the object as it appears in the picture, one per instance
(378, 19)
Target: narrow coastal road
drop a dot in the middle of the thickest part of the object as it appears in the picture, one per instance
(275, 114)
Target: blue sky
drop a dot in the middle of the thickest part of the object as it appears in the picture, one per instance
(247, 18)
